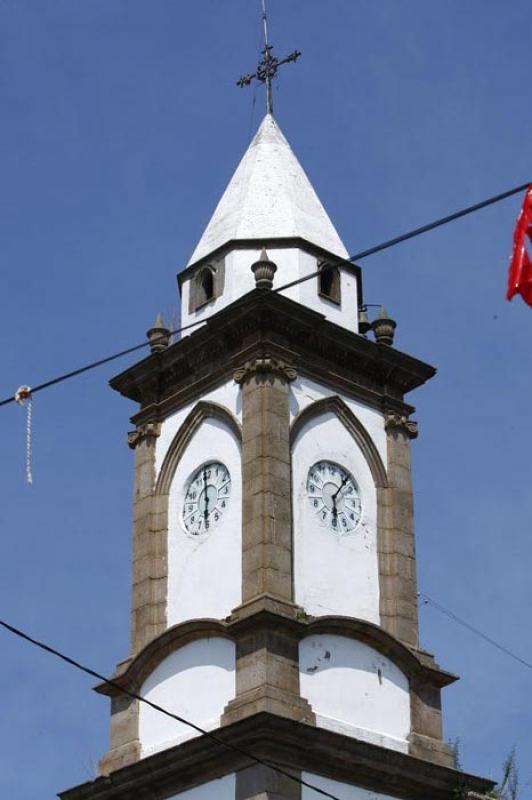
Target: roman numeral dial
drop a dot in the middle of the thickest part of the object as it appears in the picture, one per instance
(334, 497)
(207, 497)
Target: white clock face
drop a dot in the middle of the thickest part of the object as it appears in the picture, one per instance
(206, 498)
(334, 497)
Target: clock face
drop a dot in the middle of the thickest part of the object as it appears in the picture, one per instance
(334, 497)
(207, 497)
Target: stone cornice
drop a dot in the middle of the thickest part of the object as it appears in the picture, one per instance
(265, 324)
(288, 742)
(267, 613)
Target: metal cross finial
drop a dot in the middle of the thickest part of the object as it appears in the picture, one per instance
(267, 68)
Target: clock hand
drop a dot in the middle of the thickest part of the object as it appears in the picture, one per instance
(205, 511)
(335, 495)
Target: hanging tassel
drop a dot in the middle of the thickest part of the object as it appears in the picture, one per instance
(22, 394)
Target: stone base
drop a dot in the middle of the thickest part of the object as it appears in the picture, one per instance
(430, 749)
(119, 757)
(271, 700)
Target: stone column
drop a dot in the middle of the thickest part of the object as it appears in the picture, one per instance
(397, 558)
(148, 601)
(266, 491)
(267, 667)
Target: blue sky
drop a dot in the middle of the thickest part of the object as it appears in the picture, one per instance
(120, 125)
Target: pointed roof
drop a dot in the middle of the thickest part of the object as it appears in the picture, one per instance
(269, 196)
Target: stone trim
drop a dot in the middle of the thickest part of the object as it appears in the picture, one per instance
(337, 406)
(293, 744)
(266, 634)
(394, 421)
(386, 644)
(132, 673)
(196, 300)
(201, 411)
(263, 366)
(396, 540)
(143, 431)
(266, 612)
(375, 374)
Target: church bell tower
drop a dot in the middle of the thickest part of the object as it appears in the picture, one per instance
(274, 595)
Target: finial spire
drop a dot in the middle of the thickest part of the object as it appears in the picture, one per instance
(268, 67)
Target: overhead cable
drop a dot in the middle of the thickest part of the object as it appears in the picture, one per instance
(429, 601)
(323, 267)
(114, 685)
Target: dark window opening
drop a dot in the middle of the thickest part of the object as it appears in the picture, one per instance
(205, 286)
(329, 284)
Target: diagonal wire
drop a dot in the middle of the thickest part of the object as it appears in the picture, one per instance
(328, 265)
(213, 736)
(451, 615)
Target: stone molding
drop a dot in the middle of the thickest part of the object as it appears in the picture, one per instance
(266, 322)
(201, 411)
(143, 431)
(132, 673)
(340, 409)
(399, 422)
(293, 744)
(265, 365)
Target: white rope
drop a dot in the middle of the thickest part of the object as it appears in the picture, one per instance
(22, 394)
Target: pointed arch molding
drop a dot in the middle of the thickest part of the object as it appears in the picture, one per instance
(341, 410)
(201, 412)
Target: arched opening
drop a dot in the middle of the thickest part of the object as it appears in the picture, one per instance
(205, 281)
(329, 284)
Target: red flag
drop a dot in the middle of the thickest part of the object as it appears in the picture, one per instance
(520, 272)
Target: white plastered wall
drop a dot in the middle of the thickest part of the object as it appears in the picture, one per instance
(228, 395)
(205, 571)
(196, 682)
(333, 573)
(220, 789)
(344, 790)
(355, 690)
(292, 264)
(304, 392)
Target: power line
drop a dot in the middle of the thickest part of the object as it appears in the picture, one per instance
(328, 265)
(472, 629)
(214, 737)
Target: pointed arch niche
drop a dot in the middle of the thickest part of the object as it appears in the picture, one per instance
(208, 433)
(333, 573)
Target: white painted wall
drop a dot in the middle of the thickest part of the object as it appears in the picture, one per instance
(355, 690)
(205, 571)
(304, 392)
(195, 682)
(334, 574)
(227, 395)
(220, 789)
(292, 263)
(345, 791)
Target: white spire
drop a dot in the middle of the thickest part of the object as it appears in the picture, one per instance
(269, 196)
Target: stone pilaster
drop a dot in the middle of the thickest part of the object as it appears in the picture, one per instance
(148, 599)
(262, 783)
(267, 666)
(426, 737)
(266, 491)
(397, 563)
(125, 745)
